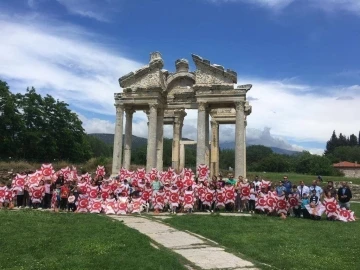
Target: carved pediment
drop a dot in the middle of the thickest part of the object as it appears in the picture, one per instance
(148, 77)
(212, 74)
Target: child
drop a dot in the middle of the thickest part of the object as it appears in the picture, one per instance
(71, 202)
(64, 194)
(252, 198)
(56, 196)
(305, 201)
(314, 199)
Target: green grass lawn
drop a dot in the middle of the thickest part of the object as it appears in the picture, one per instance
(283, 244)
(295, 178)
(44, 240)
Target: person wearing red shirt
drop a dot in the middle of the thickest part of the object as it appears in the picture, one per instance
(64, 194)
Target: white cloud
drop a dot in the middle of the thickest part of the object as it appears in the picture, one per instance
(352, 6)
(63, 60)
(96, 125)
(273, 4)
(93, 9)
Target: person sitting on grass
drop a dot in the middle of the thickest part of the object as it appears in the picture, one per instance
(305, 201)
(314, 198)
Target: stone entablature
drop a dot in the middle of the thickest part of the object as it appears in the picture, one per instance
(164, 97)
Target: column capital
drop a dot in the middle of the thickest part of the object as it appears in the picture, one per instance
(119, 108)
(129, 110)
(240, 105)
(214, 123)
(202, 106)
(153, 106)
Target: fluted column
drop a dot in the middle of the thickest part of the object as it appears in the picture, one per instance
(207, 138)
(201, 136)
(182, 156)
(128, 137)
(118, 139)
(176, 145)
(214, 168)
(160, 140)
(239, 140)
(245, 170)
(151, 153)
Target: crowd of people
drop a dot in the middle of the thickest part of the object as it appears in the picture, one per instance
(137, 191)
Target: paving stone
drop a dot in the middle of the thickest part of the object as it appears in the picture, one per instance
(191, 247)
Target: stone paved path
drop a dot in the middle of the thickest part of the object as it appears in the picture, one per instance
(202, 252)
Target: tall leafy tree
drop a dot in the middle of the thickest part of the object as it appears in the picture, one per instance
(332, 143)
(11, 123)
(353, 140)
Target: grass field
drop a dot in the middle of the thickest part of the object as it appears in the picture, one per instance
(44, 240)
(283, 244)
(295, 178)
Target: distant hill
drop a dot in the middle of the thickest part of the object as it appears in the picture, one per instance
(231, 145)
(138, 141)
(109, 139)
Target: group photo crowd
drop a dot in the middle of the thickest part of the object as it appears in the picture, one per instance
(166, 191)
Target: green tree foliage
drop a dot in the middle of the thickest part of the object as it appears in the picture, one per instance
(37, 128)
(98, 147)
(313, 164)
(342, 148)
(11, 124)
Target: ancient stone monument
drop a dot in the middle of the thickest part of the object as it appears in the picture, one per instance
(164, 97)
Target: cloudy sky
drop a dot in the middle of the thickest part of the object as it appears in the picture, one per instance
(302, 57)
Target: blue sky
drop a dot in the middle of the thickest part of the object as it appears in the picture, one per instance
(302, 57)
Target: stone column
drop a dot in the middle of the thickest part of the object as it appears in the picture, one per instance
(128, 137)
(182, 156)
(176, 145)
(245, 124)
(207, 138)
(214, 168)
(151, 150)
(239, 140)
(201, 137)
(118, 139)
(160, 140)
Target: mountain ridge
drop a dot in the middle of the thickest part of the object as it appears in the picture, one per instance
(108, 138)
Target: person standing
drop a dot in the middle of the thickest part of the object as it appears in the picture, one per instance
(344, 195)
(287, 185)
(330, 188)
(317, 189)
(64, 194)
(302, 189)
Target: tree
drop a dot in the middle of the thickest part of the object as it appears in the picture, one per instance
(39, 129)
(353, 140)
(255, 153)
(11, 123)
(332, 143)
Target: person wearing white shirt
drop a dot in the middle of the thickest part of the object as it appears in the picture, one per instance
(317, 189)
(302, 189)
